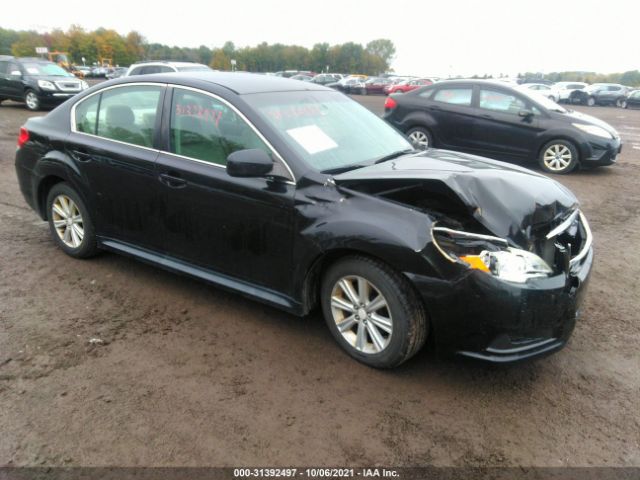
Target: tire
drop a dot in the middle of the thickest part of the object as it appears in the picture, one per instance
(619, 102)
(395, 325)
(559, 157)
(420, 137)
(624, 104)
(31, 100)
(591, 102)
(66, 229)
(363, 91)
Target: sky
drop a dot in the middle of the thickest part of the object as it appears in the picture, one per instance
(437, 38)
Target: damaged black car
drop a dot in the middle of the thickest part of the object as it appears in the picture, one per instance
(292, 194)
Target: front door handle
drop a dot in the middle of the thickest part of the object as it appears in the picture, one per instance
(172, 181)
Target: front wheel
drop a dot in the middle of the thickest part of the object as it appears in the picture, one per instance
(619, 102)
(420, 137)
(558, 156)
(32, 101)
(373, 312)
(591, 101)
(69, 221)
(624, 104)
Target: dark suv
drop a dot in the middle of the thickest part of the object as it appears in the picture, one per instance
(601, 94)
(36, 82)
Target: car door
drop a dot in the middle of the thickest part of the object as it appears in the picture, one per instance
(453, 114)
(113, 145)
(240, 227)
(13, 81)
(500, 131)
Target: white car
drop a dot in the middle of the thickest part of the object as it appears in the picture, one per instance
(566, 88)
(146, 68)
(540, 88)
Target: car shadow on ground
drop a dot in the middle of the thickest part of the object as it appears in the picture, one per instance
(307, 336)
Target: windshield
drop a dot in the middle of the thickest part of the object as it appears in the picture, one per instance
(544, 101)
(327, 129)
(41, 69)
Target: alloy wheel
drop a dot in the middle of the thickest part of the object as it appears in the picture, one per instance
(31, 99)
(67, 221)
(362, 314)
(557, 157)
(419, 138)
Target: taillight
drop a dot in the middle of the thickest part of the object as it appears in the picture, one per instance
(390, 104)
(23, 137)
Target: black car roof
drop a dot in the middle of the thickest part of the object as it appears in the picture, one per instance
(240, 83)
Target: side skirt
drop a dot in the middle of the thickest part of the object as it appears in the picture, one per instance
(249, 290)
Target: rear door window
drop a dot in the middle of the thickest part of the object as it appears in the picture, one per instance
(128, 114)
(455, 96)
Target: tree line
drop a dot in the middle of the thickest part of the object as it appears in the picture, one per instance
(373, 58)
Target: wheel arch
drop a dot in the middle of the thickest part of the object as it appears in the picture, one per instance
(320, 265)
(56, 167)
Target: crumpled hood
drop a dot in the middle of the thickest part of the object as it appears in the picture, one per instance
(510, 201)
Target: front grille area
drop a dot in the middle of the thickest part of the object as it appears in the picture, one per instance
(69, 86)
(568, 243)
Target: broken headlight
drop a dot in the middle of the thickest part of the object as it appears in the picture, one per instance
(489, 254)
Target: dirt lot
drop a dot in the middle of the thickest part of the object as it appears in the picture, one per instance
(191, 375)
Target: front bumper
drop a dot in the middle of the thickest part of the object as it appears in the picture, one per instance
(55, 98)
(602, 152)
(481, 317)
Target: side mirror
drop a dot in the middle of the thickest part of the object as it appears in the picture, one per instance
(526, 114)
(16, 73)
(249, 163)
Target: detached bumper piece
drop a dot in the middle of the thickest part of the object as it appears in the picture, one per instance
(505, 350)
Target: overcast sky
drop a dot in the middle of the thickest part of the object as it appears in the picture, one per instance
(432, 38)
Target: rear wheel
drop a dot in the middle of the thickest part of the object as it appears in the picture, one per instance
(591, 101)
(558, 156)
(624, 104)
(373, 312)
(619, 102)
(31, 100)
(69, 221)
(420, 137)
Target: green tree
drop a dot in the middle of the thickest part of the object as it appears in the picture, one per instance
(383, 49)
(220, 61)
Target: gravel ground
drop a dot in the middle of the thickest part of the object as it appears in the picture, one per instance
(184, 374)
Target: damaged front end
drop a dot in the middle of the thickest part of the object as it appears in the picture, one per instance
(512, 250)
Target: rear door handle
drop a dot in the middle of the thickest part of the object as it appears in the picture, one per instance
(81, 155)
(172, 181)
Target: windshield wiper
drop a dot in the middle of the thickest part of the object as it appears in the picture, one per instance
(334, 171)
(390, 156)
(393, 155)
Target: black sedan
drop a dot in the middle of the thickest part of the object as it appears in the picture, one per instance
(495, 120)
(294, 195)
